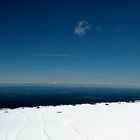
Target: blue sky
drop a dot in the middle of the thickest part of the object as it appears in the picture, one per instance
(85, 41)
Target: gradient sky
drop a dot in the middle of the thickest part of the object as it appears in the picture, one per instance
(69, 41)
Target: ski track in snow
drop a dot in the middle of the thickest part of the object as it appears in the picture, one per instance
(9, 129)
(22, 128)
(45, 135)
(70, 124)
(78, 132)
(43, 129)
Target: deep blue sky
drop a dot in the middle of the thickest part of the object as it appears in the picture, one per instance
(39, 42)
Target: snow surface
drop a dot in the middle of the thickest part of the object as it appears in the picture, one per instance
(81, 122)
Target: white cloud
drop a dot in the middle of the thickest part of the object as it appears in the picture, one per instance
(82, 28)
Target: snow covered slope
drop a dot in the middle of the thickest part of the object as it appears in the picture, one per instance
(82, 122)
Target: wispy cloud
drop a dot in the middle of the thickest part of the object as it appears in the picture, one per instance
(11, 66)
(82, 28)
(56, 55)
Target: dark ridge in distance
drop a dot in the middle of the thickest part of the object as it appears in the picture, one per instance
(31, 96)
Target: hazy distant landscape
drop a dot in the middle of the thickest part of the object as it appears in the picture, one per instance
(33, 95)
